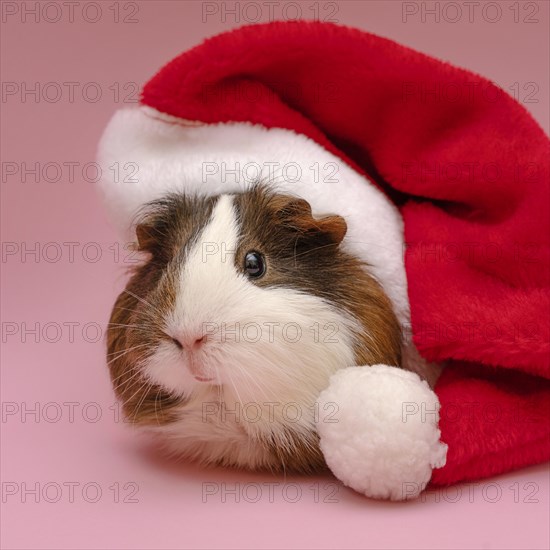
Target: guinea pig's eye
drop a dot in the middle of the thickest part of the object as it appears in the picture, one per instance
(254, 264)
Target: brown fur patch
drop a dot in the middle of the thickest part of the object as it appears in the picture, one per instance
(296, 453)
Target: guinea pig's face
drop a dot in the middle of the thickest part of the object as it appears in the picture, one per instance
(246, 295)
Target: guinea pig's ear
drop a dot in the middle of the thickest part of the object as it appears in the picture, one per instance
(296, 214)
(145, 234)
(334, 228)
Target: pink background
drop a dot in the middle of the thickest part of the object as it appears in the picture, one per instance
(52, 448)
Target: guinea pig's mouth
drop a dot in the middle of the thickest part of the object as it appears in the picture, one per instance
(196, 368)
(202, 379)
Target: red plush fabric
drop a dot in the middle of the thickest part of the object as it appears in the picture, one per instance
(468, 167)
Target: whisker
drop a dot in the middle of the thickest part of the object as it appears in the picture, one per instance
(138, 379)
(156, 399)
(235, 388)
(142, 400)
(218, 387)
(124, 309)
(248, 379)
(311, 250)
(142, 300)
(140, 358)
(123, 352)
(126, 401)
(123, 325)
(126, 380)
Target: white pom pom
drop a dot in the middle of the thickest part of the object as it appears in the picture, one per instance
(379, 431)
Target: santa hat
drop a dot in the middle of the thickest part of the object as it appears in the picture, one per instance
(444, 182)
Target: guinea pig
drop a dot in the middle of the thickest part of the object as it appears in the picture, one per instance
(243, 307)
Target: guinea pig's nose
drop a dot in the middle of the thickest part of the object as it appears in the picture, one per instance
(190, 343)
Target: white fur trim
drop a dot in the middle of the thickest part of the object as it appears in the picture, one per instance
(379, 431)
(175, 155)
